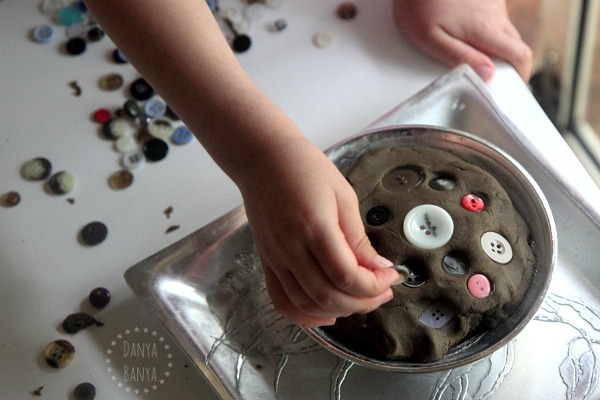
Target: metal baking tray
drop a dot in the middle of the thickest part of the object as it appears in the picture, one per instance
(208, 291)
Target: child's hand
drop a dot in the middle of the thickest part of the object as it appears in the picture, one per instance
(318, 262)
(464, 31)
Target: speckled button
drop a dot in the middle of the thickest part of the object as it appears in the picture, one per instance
(59, 353)
(378, 215)
(111, 81)
(496, 247)
(428, 226)
(62, 182)
(36, 169)
(94, 233)
(472, 202)
(479, 286)
(403, 179)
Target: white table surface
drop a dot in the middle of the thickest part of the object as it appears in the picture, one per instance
(47, 274)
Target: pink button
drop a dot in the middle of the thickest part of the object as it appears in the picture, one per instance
(479, 286)
(472, 202)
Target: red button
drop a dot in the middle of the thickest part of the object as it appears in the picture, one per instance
(102, 115)
(472, 202)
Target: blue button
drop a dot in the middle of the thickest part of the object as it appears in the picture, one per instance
(182, 135)
(155, 108)
(69, 15)
(43, 34)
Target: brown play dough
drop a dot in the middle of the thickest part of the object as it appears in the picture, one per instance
(400, 179)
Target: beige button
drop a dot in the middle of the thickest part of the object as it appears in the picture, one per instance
(59, 353)
(112, 81)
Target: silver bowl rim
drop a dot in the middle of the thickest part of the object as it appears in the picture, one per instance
(344, 152)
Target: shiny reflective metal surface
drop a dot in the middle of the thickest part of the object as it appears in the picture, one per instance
(207, 289)
(527, 197)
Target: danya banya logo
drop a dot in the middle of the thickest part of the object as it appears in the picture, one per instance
(139, 360)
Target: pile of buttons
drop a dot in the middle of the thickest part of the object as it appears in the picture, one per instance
(140, 130)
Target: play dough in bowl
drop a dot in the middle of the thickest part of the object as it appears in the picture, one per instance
(472, 228)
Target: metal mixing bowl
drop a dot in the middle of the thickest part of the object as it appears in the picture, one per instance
(527, 198)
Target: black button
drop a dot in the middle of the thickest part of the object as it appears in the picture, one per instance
(119, 57)
(155, 149)
(75, 46)
(85, 391)
(403, 178)
(99, 297)
(141, 90)
(378, 215)
(171, 114)
(94, 233)
(132, 109)
(241, 43)
(95, 34)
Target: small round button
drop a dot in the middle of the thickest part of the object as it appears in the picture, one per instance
(125, 144)
(378, 215)
(10, 199)
(182, 135)
(160, 128)
(114, 128)
(119, 57)
(132, 109)
(59, 353)
(428, 226)
(102, 115)
(442, 184)
(120, 179)
(43, 34)
(95, 34)
(85, 391)
(403, 179)
(155, 149)
(278, 25)
(133, 160)
(111, 81)
(99, 297)
(347, 10)
(36, 169)
(472, 202)
(94, 233)
(69, 15)
(241, 43)
(455, 264)
(479, 286)
(62, 182)
(415, 278)
(496, 247)
(141, 90)
(75, 46)
(323, 39)
(155, 108)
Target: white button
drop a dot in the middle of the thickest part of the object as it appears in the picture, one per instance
(437, 316)
(125, 144)
(133, 160)
(428, 226)
(323, 39)
(496, 247)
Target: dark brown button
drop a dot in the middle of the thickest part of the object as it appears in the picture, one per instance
(347, 10)
(121, 179)
(10, 199)
(403, 179)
